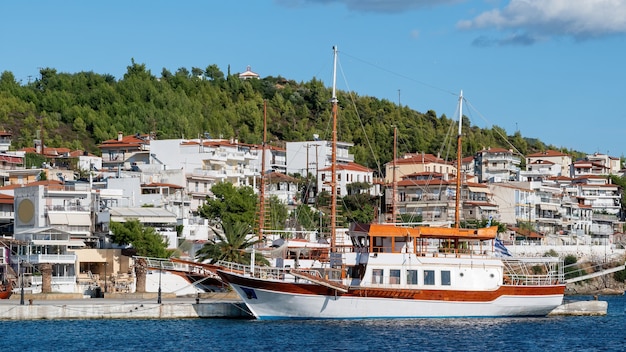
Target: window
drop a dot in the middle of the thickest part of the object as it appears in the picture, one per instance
(411, 277)
(445, 277)
(394, 277)
(377, 276)
(429, 277)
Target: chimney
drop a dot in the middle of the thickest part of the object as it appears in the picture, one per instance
(120, 135)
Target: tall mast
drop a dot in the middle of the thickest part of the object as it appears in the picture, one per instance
(457, 219)
(395, 184)
(333, 167)
(262, 192)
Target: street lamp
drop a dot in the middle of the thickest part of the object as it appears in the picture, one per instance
(159, 292)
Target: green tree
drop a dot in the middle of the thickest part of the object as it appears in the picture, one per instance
(145, 241)
(359, 207)
(233, 245)
(277, 214)
(306, 217)
(230, 204)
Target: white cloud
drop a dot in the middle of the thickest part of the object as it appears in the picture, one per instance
(385, 6)
(532, 20)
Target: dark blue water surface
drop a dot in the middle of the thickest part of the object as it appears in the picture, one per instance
(606, 333)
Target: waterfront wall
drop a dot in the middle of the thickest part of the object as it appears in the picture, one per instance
(593, 253)
(121, 310)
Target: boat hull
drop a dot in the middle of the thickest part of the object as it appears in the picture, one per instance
(269, 299)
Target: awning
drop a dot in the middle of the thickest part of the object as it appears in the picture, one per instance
(69, 219)
(71, 243)
(144, 215)
(478, 189)
(57, 219)
(549, 207)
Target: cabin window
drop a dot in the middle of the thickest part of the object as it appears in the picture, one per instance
(377, 276)
(394, 277)
(429, 277)
(411, 277)
(445, 277)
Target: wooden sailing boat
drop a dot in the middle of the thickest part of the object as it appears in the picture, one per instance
(403, 272)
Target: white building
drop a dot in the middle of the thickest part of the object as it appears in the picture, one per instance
(347, 174)
(312, 156)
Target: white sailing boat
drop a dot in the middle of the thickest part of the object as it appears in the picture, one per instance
(404, 272)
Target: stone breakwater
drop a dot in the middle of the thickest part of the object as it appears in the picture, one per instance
(144, 306)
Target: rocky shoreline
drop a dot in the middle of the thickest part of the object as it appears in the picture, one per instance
(604, 285)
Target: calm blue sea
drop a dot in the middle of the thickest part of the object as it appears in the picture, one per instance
(606, 333)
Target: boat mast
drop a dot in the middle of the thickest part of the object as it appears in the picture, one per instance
(395, 184)
(262, 192)
(457, 220)
(333, 167)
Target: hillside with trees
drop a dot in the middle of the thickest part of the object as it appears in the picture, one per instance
(80, 110)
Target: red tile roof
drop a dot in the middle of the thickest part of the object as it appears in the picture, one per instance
(547, 153)
(349, 167)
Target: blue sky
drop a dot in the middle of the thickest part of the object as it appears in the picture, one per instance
(553, 69)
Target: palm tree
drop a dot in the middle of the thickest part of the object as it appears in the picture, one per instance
(231, 246)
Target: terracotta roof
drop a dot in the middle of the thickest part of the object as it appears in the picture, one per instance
(477, 185)
(547, 153)
(126, 141)
(432, 182)
(419, 159)
(349, 167)
(12, 159)
(525, 232)
(46, 183)
(277, 177)
(6, 199)
(49, 152)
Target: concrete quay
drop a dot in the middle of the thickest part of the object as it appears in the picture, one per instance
(129, 306)
(581, 308)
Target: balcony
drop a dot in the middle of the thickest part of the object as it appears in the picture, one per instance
(48, 258)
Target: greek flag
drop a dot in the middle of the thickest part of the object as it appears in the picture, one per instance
(500, 249)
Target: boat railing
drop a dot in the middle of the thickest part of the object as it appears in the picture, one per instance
(533, 271)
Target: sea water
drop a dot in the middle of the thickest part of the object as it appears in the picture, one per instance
(600, 333)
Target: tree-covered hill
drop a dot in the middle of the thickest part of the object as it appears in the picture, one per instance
(81, 110)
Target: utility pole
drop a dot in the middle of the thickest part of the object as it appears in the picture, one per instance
(308, 184)
(317, 170)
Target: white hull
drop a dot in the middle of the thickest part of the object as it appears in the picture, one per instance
(268, 305)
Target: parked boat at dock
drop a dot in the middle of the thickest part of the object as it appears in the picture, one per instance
(393, 271)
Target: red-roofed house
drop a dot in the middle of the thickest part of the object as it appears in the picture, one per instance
(346, 174)
(415, 163)
(124, 151)
(558, 161)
